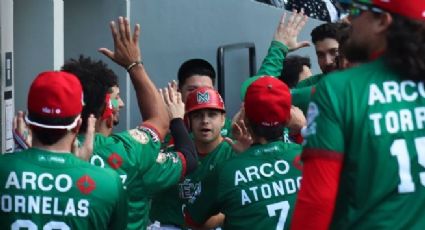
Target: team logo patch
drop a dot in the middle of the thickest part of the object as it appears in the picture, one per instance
(312, 113)
(115, 161)
(161, 158)
(86, 185)
(139, 136)
(202, 98)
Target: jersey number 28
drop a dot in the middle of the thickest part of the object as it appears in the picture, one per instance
(28, 224)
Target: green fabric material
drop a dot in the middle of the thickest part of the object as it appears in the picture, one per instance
(311, 81)
(376, 120)
(39, 186)
(167, 206)
(301, 97)
(271, 66)
(144, 170)
(254, 190)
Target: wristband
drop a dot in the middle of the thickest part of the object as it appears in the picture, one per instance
(129, 67)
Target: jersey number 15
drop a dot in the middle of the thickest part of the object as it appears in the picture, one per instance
(400, 151)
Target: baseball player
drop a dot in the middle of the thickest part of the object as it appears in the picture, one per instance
(134, 154)
(46, 186)
(205, 113)
(257, 188)
(363, 161)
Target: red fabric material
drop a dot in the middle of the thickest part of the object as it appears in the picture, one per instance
(204, 98)
(298, 138)
(316, 200)
(55, 94)
(268, 102)
(413, 9)
(189, 221)
(375, 55)
(184, 165)
(154, 129)
(108, 111)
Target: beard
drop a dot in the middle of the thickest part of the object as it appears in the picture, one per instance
(355, 52)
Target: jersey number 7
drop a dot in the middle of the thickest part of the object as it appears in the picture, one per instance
(272, 209)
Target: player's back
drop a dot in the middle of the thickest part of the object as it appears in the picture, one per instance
(47, 190)
(383, 116)
(258, 187)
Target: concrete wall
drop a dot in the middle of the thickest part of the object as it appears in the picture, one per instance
(176, 30)
(38, 42)
(171, 32)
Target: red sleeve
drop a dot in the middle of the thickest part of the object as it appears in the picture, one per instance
(319, 186)
(154, 130)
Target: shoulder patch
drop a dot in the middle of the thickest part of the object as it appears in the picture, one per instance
(153, 134)
(313, 112)
(163, 156)
(139, 136)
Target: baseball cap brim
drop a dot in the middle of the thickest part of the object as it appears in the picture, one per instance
(68, 127)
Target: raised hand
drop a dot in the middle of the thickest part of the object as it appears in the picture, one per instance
(173, 101)
(242, 137)
(126, 46)
(85, 151)
(21, 132)
(297, 121)
(288, 32)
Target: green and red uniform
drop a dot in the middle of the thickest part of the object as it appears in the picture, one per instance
(167, 206)
(254, 190)
(366, 149)
(301, 94)
(46, 190)
(144, 170)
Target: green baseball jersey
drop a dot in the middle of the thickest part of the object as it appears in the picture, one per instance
(375, 119)
(144, 170)
(47, 190)
(167, 206)
(255, 190)
(301, 97)
(301, 94)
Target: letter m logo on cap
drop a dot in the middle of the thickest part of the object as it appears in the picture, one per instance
(202, 97)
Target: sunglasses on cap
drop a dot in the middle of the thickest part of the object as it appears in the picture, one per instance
(355, 9)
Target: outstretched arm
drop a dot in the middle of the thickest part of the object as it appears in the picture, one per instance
(285, 40)
(127, 54)
(182, 141)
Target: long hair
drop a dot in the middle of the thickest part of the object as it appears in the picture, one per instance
(406, 48)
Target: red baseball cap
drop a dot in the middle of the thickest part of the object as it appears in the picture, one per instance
(204, 98)
(55, 100)
(413, 9)
(268, 102)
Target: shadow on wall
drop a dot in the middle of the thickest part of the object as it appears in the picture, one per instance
(324, 10)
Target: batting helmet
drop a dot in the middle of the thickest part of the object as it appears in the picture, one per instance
(204, 98)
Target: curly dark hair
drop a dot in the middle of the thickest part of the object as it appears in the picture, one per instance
(96, 79)
(406, 48)
(272, 133)
(292, 67)
(326, 30)
(195, 66)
